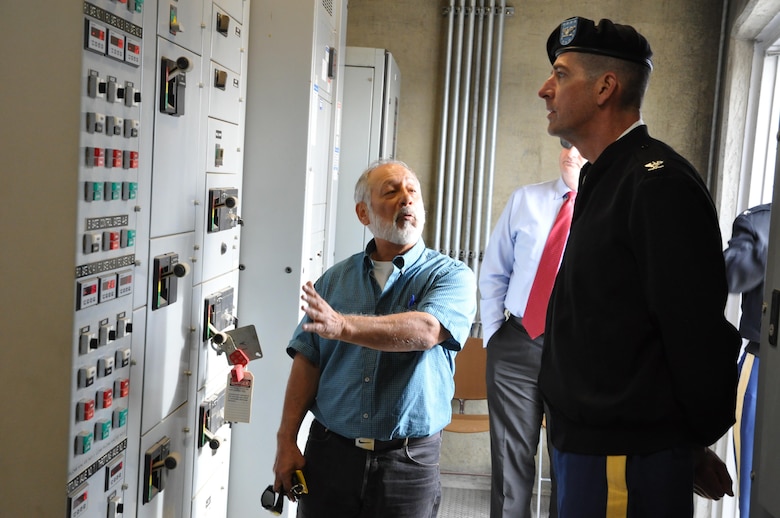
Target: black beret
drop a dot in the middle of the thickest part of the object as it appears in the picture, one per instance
(606, 39)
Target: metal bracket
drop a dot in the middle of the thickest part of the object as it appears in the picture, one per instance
(479, 11)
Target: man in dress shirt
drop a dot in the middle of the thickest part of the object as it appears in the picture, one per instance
(513, 357)
(373, 360)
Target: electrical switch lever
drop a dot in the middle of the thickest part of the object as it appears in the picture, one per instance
(169, 462)
(167, 270)
(214, 442)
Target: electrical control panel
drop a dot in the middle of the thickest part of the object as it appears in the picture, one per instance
(158, 194)
(112, 102)
(158, 222)
(136, 146)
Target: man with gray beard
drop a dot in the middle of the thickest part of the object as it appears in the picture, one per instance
(373, 360)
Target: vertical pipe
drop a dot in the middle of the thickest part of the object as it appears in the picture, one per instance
(494, 113)
(483, 119)
(468, 131)
(473, 130)
(462, 134)
(437, 245)
(452, 131)
(711, 180)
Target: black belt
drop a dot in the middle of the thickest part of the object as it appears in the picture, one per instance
(517, 323)
(375, 445)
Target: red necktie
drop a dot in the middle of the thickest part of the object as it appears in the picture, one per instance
(536, 308)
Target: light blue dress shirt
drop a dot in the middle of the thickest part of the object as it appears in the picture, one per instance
(513, 252)
(382, 395)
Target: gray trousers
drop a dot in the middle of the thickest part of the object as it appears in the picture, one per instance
(516, 409)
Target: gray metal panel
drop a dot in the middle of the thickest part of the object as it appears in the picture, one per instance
(189, 15)
(357, 129)
(227, 49)
(175, 168)
(168, 340)
(375, 60)
(369, 126)
(282, 143)
(225, 104)
(171, 501)
(390, 107)
(234, 7)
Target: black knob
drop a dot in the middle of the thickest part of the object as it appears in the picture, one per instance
(171, 462)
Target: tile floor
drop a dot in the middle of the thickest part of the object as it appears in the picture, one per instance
(468, 496)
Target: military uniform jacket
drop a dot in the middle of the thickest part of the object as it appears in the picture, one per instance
(638, 356)
(745, 268)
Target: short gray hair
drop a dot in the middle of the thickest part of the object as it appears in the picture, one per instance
(361, 187)
(633, 77)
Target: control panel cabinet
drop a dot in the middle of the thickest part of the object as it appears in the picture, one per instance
(140, 260)
(292, 146)
(106, 263)
(159, 220)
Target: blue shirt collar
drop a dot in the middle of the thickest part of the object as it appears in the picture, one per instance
(400, 261)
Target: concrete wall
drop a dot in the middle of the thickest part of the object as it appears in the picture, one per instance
(39, 215)
(684, 35)
(747, 22)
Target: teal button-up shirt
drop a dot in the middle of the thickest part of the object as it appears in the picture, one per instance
(382, 395)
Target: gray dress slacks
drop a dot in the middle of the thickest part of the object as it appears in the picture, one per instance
(516, 410)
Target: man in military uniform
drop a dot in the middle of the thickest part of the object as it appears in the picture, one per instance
(638, 368)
